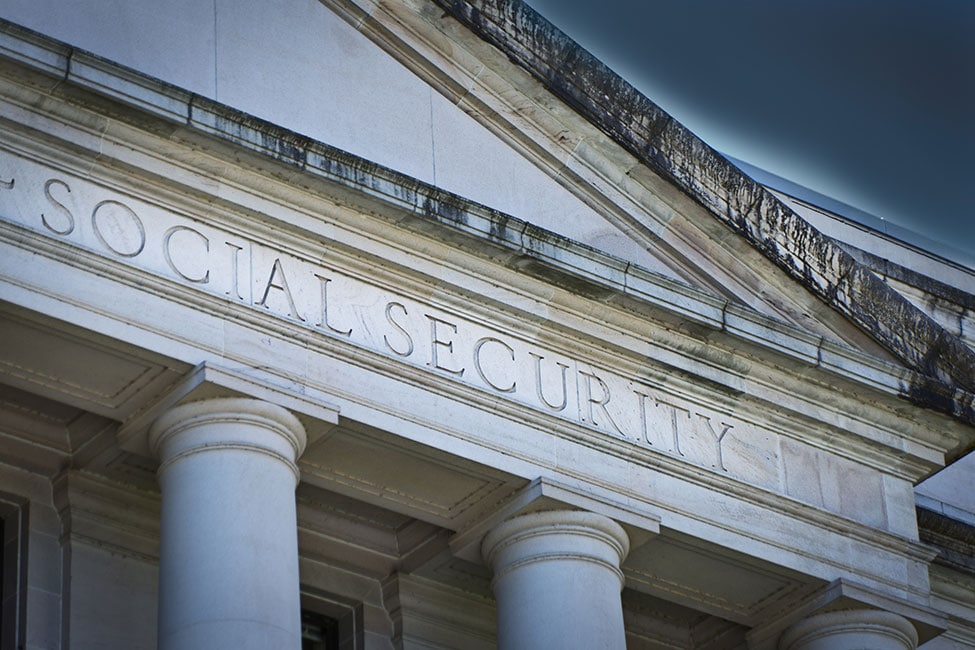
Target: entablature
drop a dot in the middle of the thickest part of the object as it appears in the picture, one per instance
(420, 313)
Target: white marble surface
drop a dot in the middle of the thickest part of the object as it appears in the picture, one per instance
(302, 67)
(228, 565)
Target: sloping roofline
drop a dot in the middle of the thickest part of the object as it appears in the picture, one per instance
(840, 210)
(641, 127)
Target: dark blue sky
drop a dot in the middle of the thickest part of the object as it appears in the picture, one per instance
(871, 102)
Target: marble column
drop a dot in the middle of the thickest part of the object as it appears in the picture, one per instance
(854, 629)
(228, 566)
(557, 580)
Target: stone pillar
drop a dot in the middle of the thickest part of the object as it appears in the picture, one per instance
(557, 581)
(854, 629)
(228, 565)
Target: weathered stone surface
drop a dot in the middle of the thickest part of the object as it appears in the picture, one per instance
(667, 147)
(467, 351)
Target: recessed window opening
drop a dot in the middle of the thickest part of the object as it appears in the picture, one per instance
(318, 632)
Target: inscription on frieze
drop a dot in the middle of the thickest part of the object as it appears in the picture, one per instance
(317, 295)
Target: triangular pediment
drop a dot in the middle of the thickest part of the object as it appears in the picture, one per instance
(527, 123)
(478, 126)
(524, 109)
(423, 95)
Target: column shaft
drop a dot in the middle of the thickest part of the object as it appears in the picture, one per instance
(228, 570)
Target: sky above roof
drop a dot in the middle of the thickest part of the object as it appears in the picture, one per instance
(869, 102)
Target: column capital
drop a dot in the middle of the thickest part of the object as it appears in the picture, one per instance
(546, 494)
(780, 625)
(556, 535)
(851, 629)
(206, 381)
(557, 580)
(215, 424)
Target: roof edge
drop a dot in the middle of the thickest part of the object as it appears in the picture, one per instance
(860, 219)
(731, 196)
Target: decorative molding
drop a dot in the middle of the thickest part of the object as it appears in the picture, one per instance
(546, 494)
(194, 427)
(553, 535)
(426, 614)
(114, 516)
(775, 337)
(207, 381)
(954, 539)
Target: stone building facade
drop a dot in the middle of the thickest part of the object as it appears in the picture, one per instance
(370, 325)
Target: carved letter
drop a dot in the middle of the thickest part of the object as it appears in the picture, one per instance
(673, 422)
(234, 291)
(8, 185)
(167, 252)
(58, 206)
(601, 403)
(402, 330)
(436, 342)
(127, 246)
(324, 284)
(717, 438)
(477, 363)
(538, 383)
(643, 416)
(277, 270)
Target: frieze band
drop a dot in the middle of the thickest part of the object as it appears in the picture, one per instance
(254, 273)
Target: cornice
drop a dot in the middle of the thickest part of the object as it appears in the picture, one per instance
(953, 539)
(889, 269)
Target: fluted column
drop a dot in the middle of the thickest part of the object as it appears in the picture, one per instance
(557, 581)
(228, 566)
(856, 629)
